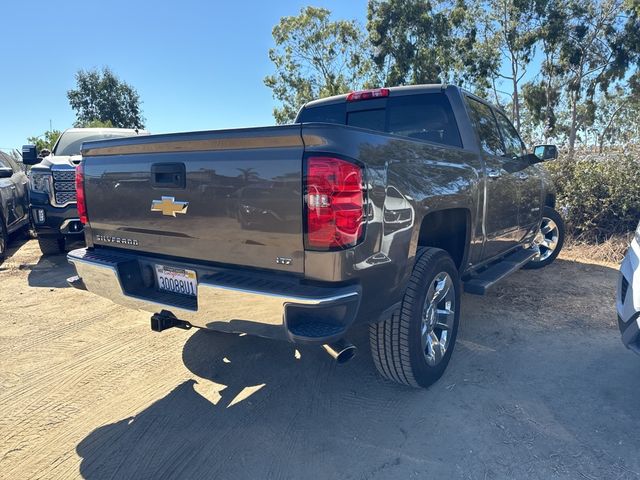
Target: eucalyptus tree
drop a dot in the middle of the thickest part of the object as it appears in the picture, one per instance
(315, 56)
(422, 41)
(510, 27)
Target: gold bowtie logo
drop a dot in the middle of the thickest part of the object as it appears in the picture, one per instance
(168, 206)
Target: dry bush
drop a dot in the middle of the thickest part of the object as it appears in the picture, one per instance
(611, 250)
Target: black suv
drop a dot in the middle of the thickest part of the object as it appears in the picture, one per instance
(52, 189)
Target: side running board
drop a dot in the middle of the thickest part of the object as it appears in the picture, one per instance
(480, 283)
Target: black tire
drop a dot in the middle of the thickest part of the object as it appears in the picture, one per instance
(4, 240)
(51, 246)
(542, 261)
(397, 343)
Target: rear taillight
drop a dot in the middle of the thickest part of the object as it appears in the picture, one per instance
(80, 198)
(367, 94)
(334, 202)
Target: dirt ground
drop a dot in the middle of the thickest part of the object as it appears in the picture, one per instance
(539, 386)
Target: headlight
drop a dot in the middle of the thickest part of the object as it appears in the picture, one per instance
(40, 182)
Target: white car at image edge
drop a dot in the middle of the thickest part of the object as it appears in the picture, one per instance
(628, 298)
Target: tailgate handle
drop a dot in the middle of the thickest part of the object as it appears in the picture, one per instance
(168, 175)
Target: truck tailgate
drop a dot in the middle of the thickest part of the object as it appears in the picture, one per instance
(231, 197)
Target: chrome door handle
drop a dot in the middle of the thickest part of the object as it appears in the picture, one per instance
(493, 173)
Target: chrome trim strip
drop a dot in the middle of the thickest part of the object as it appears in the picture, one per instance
(60, 205)
(215, 303)
(291, 139)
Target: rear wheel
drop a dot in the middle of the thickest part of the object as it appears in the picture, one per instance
(414, 346)
(549, 239)
(51, 246)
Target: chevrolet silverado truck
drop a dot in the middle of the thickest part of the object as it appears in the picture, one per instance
(377, 207)
(52, 189)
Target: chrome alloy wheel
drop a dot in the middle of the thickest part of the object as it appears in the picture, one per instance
(546, 240)
(438, 315)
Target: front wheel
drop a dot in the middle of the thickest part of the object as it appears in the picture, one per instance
(549, 239)
(414, 346)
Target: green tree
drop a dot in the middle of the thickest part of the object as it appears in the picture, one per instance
(422, 41)
(614, 117)
(542, 95)
(586, 47)
(510, 28)
(47, 140)
(315, 57)
(102, 96)
(98, 124)
(592, 55)
(631, 42)
(541, 100)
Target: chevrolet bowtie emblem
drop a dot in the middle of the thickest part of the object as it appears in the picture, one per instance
(168, 206)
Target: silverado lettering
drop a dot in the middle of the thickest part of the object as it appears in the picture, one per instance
(120, 240)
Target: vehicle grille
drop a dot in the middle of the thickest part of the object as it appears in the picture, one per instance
(64, 187)
(623, 289)
(64, 175)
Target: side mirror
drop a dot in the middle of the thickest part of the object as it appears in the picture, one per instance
(5, 172)
(30, 155)
(545, 152)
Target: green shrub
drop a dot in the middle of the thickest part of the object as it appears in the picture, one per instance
(599, 196)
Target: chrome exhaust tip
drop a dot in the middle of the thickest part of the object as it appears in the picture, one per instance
(341, 351)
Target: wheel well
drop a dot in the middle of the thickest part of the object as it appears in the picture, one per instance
(550, 200)
(448, 230)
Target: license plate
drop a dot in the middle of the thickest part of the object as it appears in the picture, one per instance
(177, 280)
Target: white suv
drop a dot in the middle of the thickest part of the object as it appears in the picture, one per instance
(628, 299)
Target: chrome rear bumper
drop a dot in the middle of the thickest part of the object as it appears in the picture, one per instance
(227, 300)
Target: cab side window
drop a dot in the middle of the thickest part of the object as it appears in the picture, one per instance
(487, 127)
(514, 146)
(428, 116)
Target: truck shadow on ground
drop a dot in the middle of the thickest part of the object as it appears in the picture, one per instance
(243, 384)
(51, 271)
(517, 401)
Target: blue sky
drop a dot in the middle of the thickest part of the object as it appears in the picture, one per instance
(196, 65)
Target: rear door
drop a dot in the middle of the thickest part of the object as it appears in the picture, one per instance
(230, 197)
(501, 183)
(529, 179)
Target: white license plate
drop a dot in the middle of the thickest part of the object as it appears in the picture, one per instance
(177, 280)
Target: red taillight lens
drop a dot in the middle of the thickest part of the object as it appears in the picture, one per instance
(335, 203)
(367, 94)
(82, 205)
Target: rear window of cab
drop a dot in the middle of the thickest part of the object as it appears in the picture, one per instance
(427, 116)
